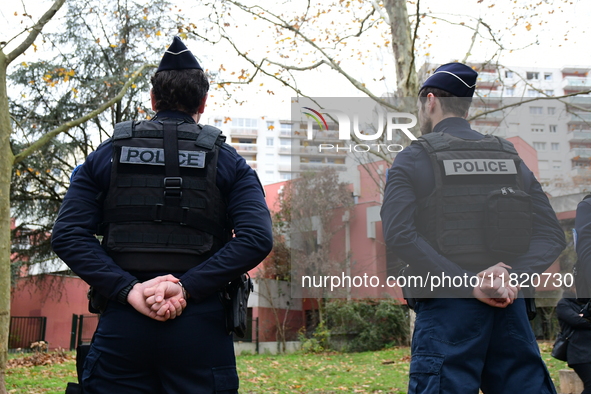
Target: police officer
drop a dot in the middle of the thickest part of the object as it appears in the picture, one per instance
(181, 214)
(461, 204)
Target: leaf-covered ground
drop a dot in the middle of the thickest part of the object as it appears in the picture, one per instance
(370, 372)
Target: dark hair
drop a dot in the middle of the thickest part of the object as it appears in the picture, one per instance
(455, 105)
(180, 90)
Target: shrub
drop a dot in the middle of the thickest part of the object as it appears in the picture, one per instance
(366, 325)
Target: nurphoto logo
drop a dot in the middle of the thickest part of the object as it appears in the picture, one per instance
(349, 124)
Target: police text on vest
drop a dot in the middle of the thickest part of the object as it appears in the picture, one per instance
(479, 166)
(155, 157)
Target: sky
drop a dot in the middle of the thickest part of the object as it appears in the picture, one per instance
(541, 33)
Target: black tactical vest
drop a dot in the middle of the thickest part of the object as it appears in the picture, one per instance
(163, 211)
(477, 215)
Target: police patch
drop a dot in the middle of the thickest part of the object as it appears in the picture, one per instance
(479, 166)
(155, 157)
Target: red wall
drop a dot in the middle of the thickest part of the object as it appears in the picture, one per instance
(55, 297)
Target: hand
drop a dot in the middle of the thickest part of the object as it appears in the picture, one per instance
(496, 289)
(166, 297)
(137, 299)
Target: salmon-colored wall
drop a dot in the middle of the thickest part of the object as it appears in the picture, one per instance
(268, 323)
(527, 153)
(55, 297)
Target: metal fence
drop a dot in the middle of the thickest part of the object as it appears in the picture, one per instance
(25, 330)
(83, 328)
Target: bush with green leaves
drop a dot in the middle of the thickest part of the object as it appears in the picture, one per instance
(361, 325)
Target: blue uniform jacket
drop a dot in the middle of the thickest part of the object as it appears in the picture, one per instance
(411, 178)
(583, 247)
(74, 240)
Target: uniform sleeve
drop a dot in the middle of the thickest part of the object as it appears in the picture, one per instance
(547, 240)
(583, 246)
(566, 311)
(398, 221)
(253, 238)
(73, 236)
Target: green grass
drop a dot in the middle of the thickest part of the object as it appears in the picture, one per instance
(370, 372)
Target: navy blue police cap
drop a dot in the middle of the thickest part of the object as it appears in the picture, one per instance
(178, 57)
(455, 78)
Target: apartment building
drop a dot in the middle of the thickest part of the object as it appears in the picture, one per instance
(276, 148)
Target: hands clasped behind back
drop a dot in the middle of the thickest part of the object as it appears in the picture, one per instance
(161, 298)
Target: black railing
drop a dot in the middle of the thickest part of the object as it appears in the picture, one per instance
(83, 328)
(25, 330)
(252, 331)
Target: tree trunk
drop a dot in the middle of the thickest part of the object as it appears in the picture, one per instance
(402, 43)
(6, 158)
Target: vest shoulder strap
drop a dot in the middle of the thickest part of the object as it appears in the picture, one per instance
(123, 130)
(433, 142)
(209, 136)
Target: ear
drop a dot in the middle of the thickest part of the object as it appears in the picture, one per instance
(153, 100)
(201, 108)
(432, 102)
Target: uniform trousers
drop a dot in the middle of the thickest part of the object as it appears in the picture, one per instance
(461, 345)
(134, 354)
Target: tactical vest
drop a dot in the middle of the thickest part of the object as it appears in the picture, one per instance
(163, 210)
(477, 215)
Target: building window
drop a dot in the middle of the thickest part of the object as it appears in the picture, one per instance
(217, 123)
(532, 75)
(537, 128)
(549, 92)
(532, 93)
(552, 128)
(547, 76)
(285, 176)
(551, 110)
(509, 74)
(555, 146)
(509, 91)
(270, 141)
(269, 172)
(245, 122)
(536, 110)
(556, 165)
(540, 146)
(270, 125)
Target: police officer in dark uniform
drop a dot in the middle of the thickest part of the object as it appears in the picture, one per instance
(181, 215)
(461, 204)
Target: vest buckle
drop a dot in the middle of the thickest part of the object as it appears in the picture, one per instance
(173, 186)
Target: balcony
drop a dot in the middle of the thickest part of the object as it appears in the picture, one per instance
(580, 136)
(285, 133)
(313, 150)
(252, 164)
(322, 166)
(245, 148)
(285, 150)
(580, 154)
(239, 132)
(580, 117)
(576, 84)
(584, 172)
(487, 80)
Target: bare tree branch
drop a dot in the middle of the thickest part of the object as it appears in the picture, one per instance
(35, 30)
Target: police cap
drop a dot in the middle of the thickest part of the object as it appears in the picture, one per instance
(178, 57)
(455, 78)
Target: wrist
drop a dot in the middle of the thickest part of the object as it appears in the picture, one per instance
(186, 295)
(124, 293)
